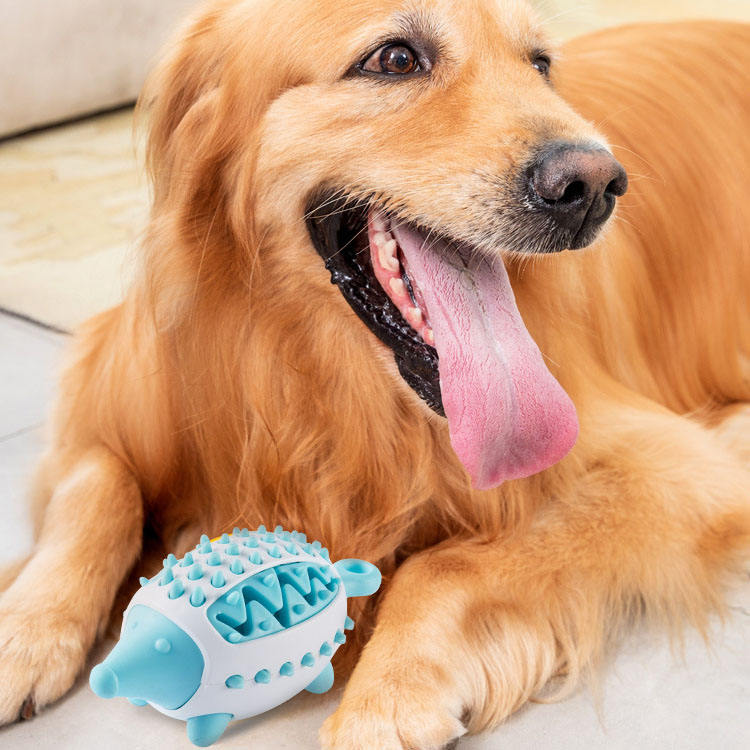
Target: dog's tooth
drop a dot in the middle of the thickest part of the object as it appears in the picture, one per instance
(379, 239)
(414, 316)
(429, 336)
(388, 260)
(390, 247)
(398, 287)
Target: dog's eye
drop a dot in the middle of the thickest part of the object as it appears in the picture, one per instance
(393, 60)
(542, 63)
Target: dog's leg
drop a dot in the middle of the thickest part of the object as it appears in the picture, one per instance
(468, 632)
(50, 615)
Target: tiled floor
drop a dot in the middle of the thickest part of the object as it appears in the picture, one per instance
(651, 699)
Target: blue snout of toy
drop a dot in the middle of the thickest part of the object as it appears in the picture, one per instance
(154, 661)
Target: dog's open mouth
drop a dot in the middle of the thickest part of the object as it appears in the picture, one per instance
(449, 315)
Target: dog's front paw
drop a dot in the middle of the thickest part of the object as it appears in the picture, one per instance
(41, 652)
(391, 715)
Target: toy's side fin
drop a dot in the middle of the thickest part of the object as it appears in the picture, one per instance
(360, 577)
(205, 730)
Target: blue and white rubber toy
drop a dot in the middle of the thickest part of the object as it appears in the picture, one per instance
(238, 626)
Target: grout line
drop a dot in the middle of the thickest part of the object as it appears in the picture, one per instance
(33, 321)
(22, 431)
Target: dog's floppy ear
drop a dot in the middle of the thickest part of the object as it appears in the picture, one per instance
(203, 104)
(179, 102)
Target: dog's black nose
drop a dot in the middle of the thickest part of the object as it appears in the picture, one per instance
(576, 186)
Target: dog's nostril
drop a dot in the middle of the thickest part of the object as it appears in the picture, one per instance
(573, 192)
(619, 185)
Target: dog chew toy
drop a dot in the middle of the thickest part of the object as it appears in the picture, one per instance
(239, 625)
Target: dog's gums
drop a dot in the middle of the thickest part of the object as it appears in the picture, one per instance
(389, 266)
(340, 235)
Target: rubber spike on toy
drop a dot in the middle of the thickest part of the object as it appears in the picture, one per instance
(218, 580)
(233, 549)
(197, 598)
(234, 598)
(323, 682)
(187, 561)
(205, 730)
(262, 622)
(177, 589)
(339, 637)
(308, 660)
(252, 542)
(205, 539)
(319, 592)
(348, 624)
(266, 590)
(196, 572)
(233, 611)
(166, 577)
(261, 529)
(295, 608)
(143, 580)
(236, 567)
(298, 575)
(235, 681)
(225, 539)
(287, 669)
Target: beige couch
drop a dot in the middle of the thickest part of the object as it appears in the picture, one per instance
(65, 58)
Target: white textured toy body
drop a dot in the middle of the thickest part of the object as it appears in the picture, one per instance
(236, 627)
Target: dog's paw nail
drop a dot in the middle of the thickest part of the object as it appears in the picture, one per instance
(28, 709)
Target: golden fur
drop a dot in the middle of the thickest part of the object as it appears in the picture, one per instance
(234, 385)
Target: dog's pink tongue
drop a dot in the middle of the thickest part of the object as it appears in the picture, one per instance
(508, 417)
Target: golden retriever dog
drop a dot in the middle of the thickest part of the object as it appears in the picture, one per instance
(355, 318)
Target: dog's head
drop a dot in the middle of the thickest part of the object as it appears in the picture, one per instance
(406, 146)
